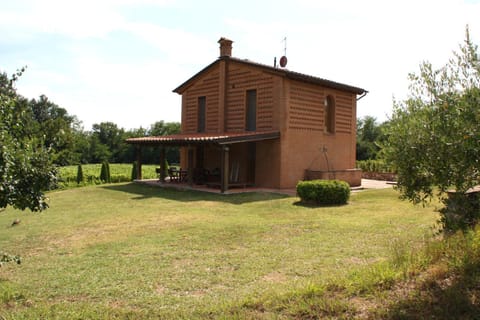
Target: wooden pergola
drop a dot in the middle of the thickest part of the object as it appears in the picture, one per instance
(190, 141)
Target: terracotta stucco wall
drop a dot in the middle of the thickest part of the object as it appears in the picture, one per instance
(305, 143)
(267, 170)
(208, 86)
(240, 79)
(229, 82)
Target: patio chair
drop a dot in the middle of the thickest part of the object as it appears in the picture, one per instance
(174, 175)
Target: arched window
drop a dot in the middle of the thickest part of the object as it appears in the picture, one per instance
(329, 114)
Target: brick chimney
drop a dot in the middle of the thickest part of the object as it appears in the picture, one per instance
(225, 47)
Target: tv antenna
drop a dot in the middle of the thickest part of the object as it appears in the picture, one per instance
(283, 59)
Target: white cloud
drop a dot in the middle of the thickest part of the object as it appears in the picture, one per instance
(180, 46)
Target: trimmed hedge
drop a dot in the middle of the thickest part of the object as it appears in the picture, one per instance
(324, 192)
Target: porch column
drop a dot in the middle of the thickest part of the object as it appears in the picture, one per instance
(224, 172)
(138, 151)
(190, 166)
(163, 171)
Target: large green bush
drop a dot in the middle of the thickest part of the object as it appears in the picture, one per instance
(324, 192)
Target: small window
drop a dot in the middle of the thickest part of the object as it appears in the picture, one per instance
(251, 118)
(329, 114)
(201, 114)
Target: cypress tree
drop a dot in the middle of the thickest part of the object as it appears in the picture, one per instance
(103, 173)
(107, 167)
(79, 174)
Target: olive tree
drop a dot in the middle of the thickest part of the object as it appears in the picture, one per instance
(26, 171)
(434, 137)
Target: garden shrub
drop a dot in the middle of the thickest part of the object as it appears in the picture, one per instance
(105, 172)
(461, 211)
(134, 171)
(167, 166)
(79, 174)
(324, 192)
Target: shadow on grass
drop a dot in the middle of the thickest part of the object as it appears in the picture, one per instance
(145, 192)
(311, 205)
(454, 297)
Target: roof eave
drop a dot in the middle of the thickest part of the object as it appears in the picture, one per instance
(198, 139)
(277, 71)
(181, 88)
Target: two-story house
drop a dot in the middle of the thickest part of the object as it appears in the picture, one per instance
(245, 123)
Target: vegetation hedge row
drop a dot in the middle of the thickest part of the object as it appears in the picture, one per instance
(374, 166)
(90, 175)
(324, 192)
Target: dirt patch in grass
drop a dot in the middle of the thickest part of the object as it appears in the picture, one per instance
(275, 277)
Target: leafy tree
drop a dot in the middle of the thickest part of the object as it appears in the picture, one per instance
(109, 135)
(434, 136)
(80, 151)
(98, 152)
(369, 135)
(161, 128)
(128, 151)
(56, 126)
(25, 167)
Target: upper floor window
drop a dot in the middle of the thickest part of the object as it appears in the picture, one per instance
(251, 117)
(329, 114)
(201, 114)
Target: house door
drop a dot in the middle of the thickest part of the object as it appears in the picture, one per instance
(251, 158)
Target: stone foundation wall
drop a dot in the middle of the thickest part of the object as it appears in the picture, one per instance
(352, 176)
(385, 176)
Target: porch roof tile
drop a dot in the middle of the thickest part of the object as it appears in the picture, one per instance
(204, 138)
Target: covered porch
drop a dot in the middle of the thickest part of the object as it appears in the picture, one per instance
(216, 160)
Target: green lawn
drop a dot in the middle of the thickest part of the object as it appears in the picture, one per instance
(134, 251)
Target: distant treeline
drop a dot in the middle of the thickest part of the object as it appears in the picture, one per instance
(70, 144)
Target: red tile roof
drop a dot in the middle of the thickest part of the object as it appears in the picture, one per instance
(279, 71)
(203, 138)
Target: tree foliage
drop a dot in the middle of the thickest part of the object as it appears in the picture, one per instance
(69, 144)
(370, 135)
(25, 167)
(434, 135)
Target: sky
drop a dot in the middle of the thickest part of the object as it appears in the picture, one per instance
(119, 60)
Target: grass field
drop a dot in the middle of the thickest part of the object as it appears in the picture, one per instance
(133, 251)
